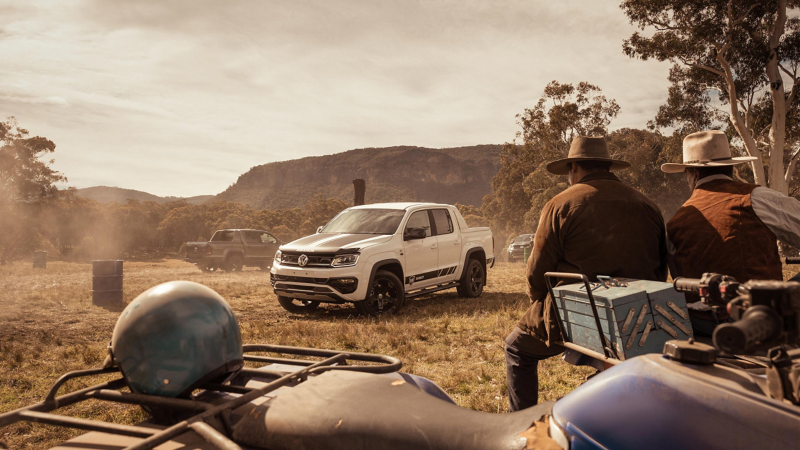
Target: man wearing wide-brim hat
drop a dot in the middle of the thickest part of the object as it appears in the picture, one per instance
(726, 226)
(598, 226)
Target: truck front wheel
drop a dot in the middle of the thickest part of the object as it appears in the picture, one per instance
(385, 295)
(207, 267)
(297, 306)
(474, 279)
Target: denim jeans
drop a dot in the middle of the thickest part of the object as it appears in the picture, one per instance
(523, 353)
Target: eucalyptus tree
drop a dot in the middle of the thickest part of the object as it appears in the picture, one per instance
(746, 54)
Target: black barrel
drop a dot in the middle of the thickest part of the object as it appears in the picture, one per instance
(39, 260)
(107, 282)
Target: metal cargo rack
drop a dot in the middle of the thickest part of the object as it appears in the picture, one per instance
(608, 356)
(152, 437)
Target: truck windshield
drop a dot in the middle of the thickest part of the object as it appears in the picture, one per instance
(365, 221)
(523, 238)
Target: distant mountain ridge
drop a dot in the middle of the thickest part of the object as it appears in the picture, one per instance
(404, 173)
(108, 194)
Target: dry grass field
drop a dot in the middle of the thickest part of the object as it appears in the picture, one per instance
(49, 326)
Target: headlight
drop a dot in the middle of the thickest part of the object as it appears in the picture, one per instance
(278, 256)
(345, 260)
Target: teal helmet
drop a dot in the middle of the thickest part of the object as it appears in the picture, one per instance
(175, 337)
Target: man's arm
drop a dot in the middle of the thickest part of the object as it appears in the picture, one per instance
(780, 213)
(547, 251)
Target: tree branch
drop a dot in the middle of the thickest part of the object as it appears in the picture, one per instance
(780, 24)
(786, 71)
(747, 13)
(738, 176)
(705, 67)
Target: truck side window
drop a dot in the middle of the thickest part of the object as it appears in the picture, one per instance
(252, 237)
(419, 220)
(444, 225)
(222, 236)
(267, 238)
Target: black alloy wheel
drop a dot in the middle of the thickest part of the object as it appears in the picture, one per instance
(385, 296)
(295, 305)
(234, 264)
(473, 280)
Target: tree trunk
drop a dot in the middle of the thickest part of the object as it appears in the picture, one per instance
(738, 123)
(777, 131)
(360, 186)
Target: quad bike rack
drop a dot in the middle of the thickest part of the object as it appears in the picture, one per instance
(110, 391)
(608, 356)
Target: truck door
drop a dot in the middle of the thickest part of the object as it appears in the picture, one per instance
(449, 244)
(254, 249)
(422, 255)
(271, 245)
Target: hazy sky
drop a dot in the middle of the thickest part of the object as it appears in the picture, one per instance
(181, 97)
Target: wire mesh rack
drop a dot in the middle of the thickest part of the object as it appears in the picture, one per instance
(199, 412)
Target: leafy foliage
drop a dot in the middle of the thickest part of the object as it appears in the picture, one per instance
(523, 186)
(743, 55)
(26, 184)
(23, 175)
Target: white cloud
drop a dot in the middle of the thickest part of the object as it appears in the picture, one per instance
(179, 98)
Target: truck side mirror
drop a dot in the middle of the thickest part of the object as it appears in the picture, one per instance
(414, 233)
(319, 229)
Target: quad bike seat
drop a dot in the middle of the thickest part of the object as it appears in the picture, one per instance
(348, 410)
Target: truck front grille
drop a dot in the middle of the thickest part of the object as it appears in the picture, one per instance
(313, 261)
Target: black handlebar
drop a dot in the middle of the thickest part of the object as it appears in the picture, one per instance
(686, 284)
(760, 324)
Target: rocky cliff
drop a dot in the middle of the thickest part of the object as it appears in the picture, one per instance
(462, 175)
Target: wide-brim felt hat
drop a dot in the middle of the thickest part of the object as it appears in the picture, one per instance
(586, 148)
(706, 149)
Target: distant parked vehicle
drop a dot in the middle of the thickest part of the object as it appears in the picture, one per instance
(517, 248)
(377, 256)
(232, 250)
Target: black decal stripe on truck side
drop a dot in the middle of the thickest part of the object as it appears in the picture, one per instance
(411, 279)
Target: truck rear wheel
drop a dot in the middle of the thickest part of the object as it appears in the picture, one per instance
(296, 305)
(473, 280)
(234, 264)
(385, 295)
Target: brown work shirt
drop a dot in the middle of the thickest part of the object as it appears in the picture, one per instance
(599, 226)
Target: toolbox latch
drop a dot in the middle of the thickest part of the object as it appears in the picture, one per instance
(603, 279)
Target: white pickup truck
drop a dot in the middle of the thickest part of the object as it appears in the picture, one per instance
(376, 256)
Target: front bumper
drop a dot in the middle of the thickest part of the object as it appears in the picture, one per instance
(515, 253)
(318, 284)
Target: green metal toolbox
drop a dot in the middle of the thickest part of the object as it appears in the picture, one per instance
(636, 316)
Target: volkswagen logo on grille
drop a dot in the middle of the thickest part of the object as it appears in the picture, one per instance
(302, 260)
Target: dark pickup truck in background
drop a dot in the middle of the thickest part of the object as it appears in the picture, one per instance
(231, 250)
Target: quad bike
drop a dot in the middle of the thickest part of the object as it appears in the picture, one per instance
(692, 396)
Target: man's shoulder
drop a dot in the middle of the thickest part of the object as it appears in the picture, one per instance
(600, 190)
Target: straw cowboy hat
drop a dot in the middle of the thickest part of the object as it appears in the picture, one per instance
(706, 149)
(586, 148)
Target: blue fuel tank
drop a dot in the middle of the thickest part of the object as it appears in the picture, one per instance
(656, 403)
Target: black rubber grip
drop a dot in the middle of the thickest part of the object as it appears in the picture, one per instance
(686, 284)
(745, 335)
(793, 260)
